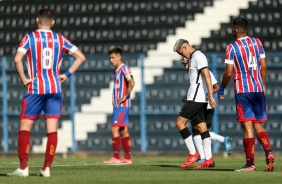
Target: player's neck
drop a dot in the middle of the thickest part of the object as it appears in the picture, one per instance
(118, 65)
(241, 36)
(43, 27)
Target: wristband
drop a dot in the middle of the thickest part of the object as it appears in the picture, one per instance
(68, 74)
(220, 91)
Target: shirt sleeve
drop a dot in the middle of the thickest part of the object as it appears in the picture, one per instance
(202, 61)
(24, 45)
(69, 47)
(261, 50)
(126, 72)
(229, 55)
(213, 79)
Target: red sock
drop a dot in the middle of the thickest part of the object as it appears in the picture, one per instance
(51, 146)
(249, 147)
(116, 146)
(126, 144)
(263, 138)
(23, 147)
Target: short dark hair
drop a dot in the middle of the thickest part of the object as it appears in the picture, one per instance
(46, 16)
(241, 22)
(46, 13)
(115, 50)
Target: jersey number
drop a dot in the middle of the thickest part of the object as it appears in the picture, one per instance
(47, 58)
(252, 62)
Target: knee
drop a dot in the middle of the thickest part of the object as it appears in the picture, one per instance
(201, 127)
(259, 128)
(179, 125)
(124, 132)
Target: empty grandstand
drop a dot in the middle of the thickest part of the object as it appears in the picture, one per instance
(140, 28)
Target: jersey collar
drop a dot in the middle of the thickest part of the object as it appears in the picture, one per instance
(193, 53)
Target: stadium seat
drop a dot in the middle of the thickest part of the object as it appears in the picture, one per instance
(137, 27)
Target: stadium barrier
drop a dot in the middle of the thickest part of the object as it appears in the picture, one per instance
(217, 66)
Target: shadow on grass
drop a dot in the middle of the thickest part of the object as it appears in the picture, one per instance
(203, 169)
(165, 165)
(5, 175)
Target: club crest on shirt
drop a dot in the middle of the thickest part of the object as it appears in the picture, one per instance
(192, 71)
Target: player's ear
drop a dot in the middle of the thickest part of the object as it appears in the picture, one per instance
(37, 20)
(53, 22)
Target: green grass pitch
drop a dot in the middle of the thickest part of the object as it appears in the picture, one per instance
(155, 169)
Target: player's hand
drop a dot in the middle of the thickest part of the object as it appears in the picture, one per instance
(212, 102)
(120, 100)
(220, 93)
(185, 62)
(184, 98)
(63, 78)
(28, 81)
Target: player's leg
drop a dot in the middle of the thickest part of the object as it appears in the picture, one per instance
(214, 136)
(126, 140)
(263, 138)
(185, 113)
(199, 145)
(51, 146)
(126, 145)
(116, 141)
(262, 135)
(30, 111)
(202, 128)
(117, 119)
(226, 140)
(23, 148)
(249, 147)
(245, 115)
(52, 111)
(187, 137)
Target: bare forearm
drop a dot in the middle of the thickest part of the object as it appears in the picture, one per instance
(79, 59)
(209, 87)
(20, 70)
(264, 75)
(225, 79)
(129, 88)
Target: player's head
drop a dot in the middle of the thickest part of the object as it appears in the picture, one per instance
(116, 57)
(46, 17)
(240, 27)
(182, 47)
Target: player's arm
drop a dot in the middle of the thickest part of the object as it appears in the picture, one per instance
(263, 71)
(207, 76)
(20, 69)
(215, 88)
(79, 59)
(185, 63)
(186, 66)
(225, 79)
(130, 86)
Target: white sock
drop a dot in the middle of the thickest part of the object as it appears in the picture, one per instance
(199, 146)
(207, 147)
(216, 137)
(190, 145)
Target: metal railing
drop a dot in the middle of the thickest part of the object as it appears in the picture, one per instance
(214, 66)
